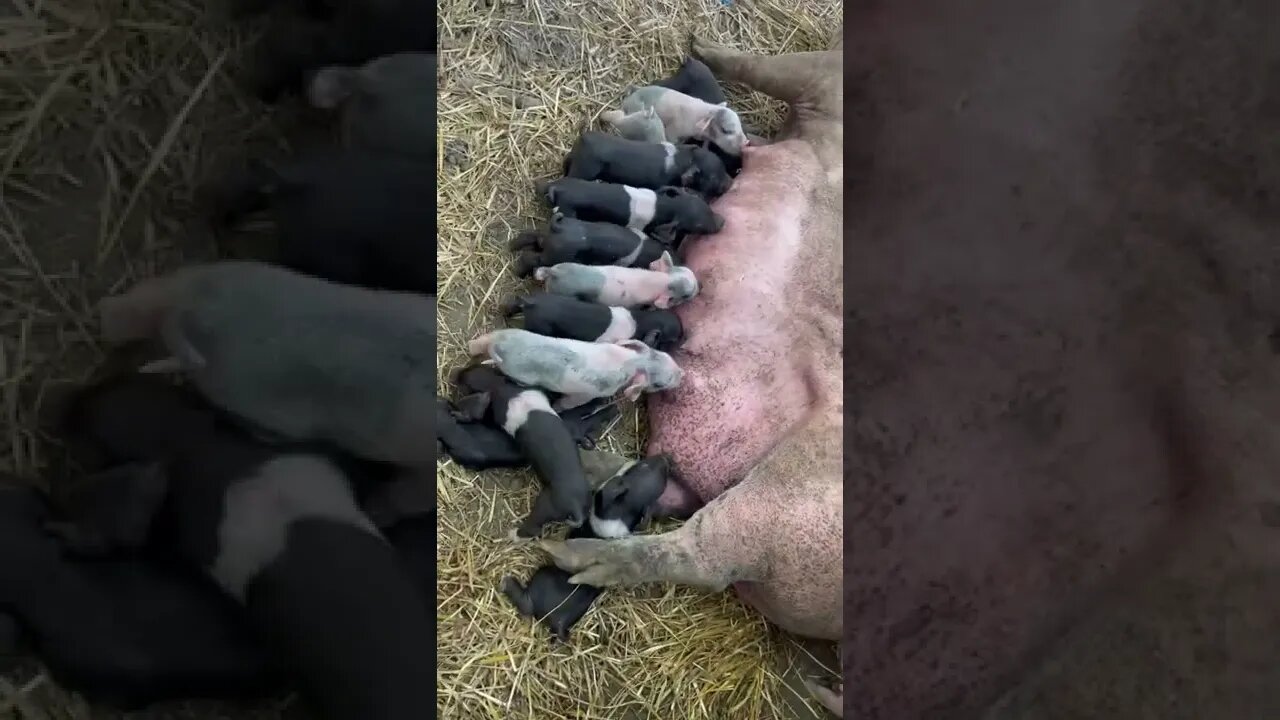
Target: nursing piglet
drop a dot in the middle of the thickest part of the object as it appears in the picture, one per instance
(688, 118)
(617, 509)
(481, 445)
(613, 159)
(347, 32)
(354, 217)
(580, 371)
(663, 285)
(386, 105)
(277, 528)
(667, 210)
(127, 631)
(590, 243)
(645, 126)
(526, 415)
(566, 317)
(298, 356)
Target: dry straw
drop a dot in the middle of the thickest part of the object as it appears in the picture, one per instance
(517, 81)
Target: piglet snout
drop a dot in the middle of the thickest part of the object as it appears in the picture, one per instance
(718, 222)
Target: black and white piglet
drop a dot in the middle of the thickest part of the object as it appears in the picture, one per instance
(479, 445)
(122, 631)
(618, 508)
(341, 32)
(566, 317)
(358, 218)
(277, 528)
(695, 79)
(526, 415)
(569, 239)
(386, 105)
(667, 211)
(611, 158)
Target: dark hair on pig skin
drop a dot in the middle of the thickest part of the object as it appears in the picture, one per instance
(127, 631)
(353, 33)
(351, 217)
(695, 79)
(618, 508)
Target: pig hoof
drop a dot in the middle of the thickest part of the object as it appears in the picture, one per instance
(599, 563)
(515, 536)
(832, 700)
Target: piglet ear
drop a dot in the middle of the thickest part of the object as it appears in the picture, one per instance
(722, 103)
(703, 124)
(663, 301)
(662, 264)
(639, 382)
(635, 345)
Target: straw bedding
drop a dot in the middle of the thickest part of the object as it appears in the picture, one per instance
(517, 82)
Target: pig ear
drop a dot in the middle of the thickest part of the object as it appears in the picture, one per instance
(722, 103)
(703, 124)
(633, 345)
(663, 301)
(662, 264)
(331, 86)
(638, 383)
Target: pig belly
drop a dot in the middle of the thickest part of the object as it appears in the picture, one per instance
(745, 359)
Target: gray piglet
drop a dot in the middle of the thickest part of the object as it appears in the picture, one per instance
(298, 356)
(618, 508)
(687, 118)
(664, 285)
(581, 371)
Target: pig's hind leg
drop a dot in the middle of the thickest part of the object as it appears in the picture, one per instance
(792, 78)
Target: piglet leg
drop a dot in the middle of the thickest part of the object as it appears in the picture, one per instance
(517, 594)
(830, 699)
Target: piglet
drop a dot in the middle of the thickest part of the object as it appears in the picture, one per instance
(526, 415)
(359, 218)
(278, 530)
(125, 632)
(618, 508)
(300, 357)
(664, 211)
(613, 159)
(645, 125)
(696, 80)
(688, 118)
(481, 445)
(663, 285)
(590, 243)
(578, 370)
(566, 317)
(387, 104)
(348, 32)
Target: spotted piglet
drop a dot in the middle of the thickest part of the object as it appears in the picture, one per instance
(688, 118)
(663, 285)
(581, 371)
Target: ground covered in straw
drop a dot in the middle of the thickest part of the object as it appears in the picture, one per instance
(114, 114)
(517, 81)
